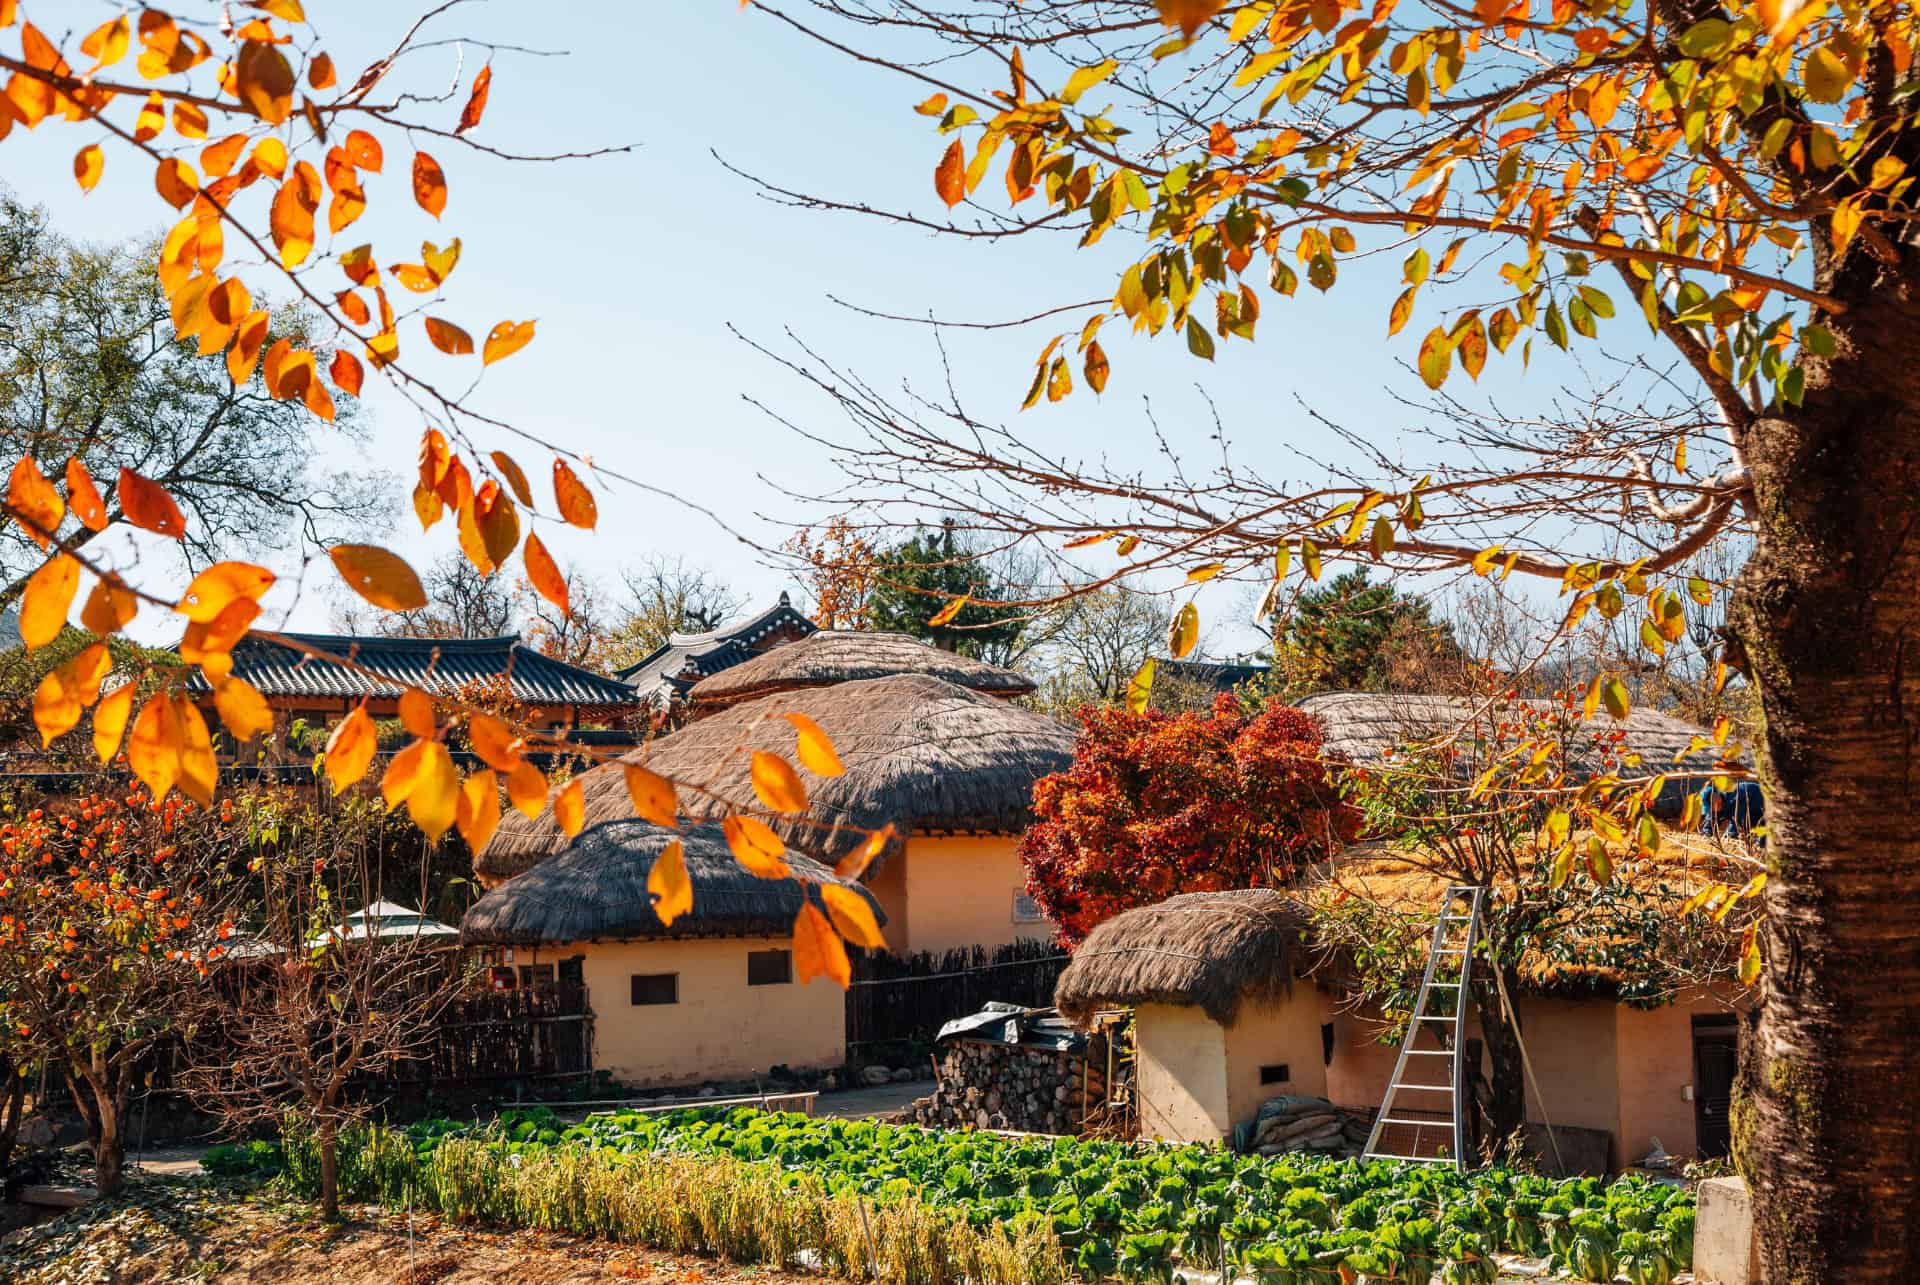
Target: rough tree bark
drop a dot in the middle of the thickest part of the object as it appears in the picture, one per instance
(1507, 1102)
(329, 1144)
(101, 1103)
(1828, 614)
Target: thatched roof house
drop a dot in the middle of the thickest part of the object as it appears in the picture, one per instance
(1208, 950)
(834, 656)
(663, 676)
(920, 754)
(1365, 726)
(597, 891)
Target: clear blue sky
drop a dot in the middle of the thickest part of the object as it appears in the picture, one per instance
(635, 265)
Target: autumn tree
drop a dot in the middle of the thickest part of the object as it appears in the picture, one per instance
(91, 369)
(660, 596)
(113, 907)
(1551, 174)
(1157, 804)
(320, 1006)
(1097, 642)
(837, 564)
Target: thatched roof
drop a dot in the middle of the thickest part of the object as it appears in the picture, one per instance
(1204, 949)
(596, 890)
(1599, 948)
(844, 655)
(1364, 726)
(920, 754)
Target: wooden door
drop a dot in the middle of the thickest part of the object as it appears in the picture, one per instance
(1716, 1059)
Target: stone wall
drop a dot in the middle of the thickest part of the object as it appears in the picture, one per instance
(987, 1085)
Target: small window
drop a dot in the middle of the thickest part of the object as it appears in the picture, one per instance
(769, 967)
(1275, 1074)
(1026, 910)
(536, 975)
(656, 988)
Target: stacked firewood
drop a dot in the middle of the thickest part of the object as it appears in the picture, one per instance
(987, 1085)
(1307, 1124)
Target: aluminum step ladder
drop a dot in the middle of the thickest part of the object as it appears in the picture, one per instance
(1434, 1039)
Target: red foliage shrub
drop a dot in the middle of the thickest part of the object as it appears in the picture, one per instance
(1157, 804)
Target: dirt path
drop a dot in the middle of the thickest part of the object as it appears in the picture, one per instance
(174, 1230)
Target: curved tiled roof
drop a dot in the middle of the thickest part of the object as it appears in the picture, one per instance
(438, 665)
(684, 659)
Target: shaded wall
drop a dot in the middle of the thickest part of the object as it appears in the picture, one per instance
(719, 1028)
(1180, 1074)
(960, 891)
(1272, 1034)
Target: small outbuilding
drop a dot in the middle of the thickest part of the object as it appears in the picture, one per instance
(713, 996)
(1222, 1019)
(950, 769)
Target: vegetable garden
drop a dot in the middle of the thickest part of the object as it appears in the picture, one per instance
(850, 1195)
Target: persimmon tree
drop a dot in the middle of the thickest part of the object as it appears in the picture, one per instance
(1731, 180)
(268, 155)
(1157, 804)
(113, 906)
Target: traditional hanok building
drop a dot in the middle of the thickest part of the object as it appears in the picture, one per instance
(1235, 1002)
(950, 769)
(832, 656)
(662, 678)
(713, 996)
(554, 693)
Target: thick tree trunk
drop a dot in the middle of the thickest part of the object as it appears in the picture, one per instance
(1828, 613)
(329, 1171)
(101, 1107)
(1507, 1084)
(13, 1101)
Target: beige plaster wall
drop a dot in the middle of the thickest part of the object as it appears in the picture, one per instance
(888, 884)
(1268, 1033)
(959, 892)
(721, 1028)
(1180, 1076)
(1362, 1066)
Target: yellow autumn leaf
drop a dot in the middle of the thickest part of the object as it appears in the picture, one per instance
(110, 720)
(1184, 631)
(213, 589)
(668, 885)
(242, 708)
(1140, 687)
(154, 745)
(570, 808)
(477, 813)
(855, 863)
(817, 949)
(852, 916)
(496, 744)
(48, 598)
(527, 790)
(653, 796)
(416, 713)
(777, 784)
(434, 800)
(814, 748)
(199, 772)
(382, 578)
(755, 846)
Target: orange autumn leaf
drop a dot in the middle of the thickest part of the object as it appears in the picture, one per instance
(242, 708)
(429, 184)
(776, 783)
(208, 644)
(477, 811)
(574, 500)
(815, 750)
(527, 790)
(155, 744)
(382, 578)
(263, 81)
(948, 612)
(506, 339)
(199, 771)
(544, 574)
(570, 808)
(36, 505)
(219, 585)
(148, 506)
(653, 796)
(320, 71)
(47, 599)
(852, 916)
(346, 372)
(88, 164)
(668, 885)
(950, 175)
(817, 949)
(495, 743)
(416, 713)
(449, 338)
(434, 800)
(515, 478)
(83, 497)
(350, 748)
(109, 606)
(174, 179)
(363, 150)
(66, 691)
(476, 100)
(755, 846)
(110, 720)
(855, 863)
(245, 353)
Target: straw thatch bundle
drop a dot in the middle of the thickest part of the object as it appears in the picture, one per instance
(920, 754)
(597, 891)
(847, 655)
(1205, 949)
